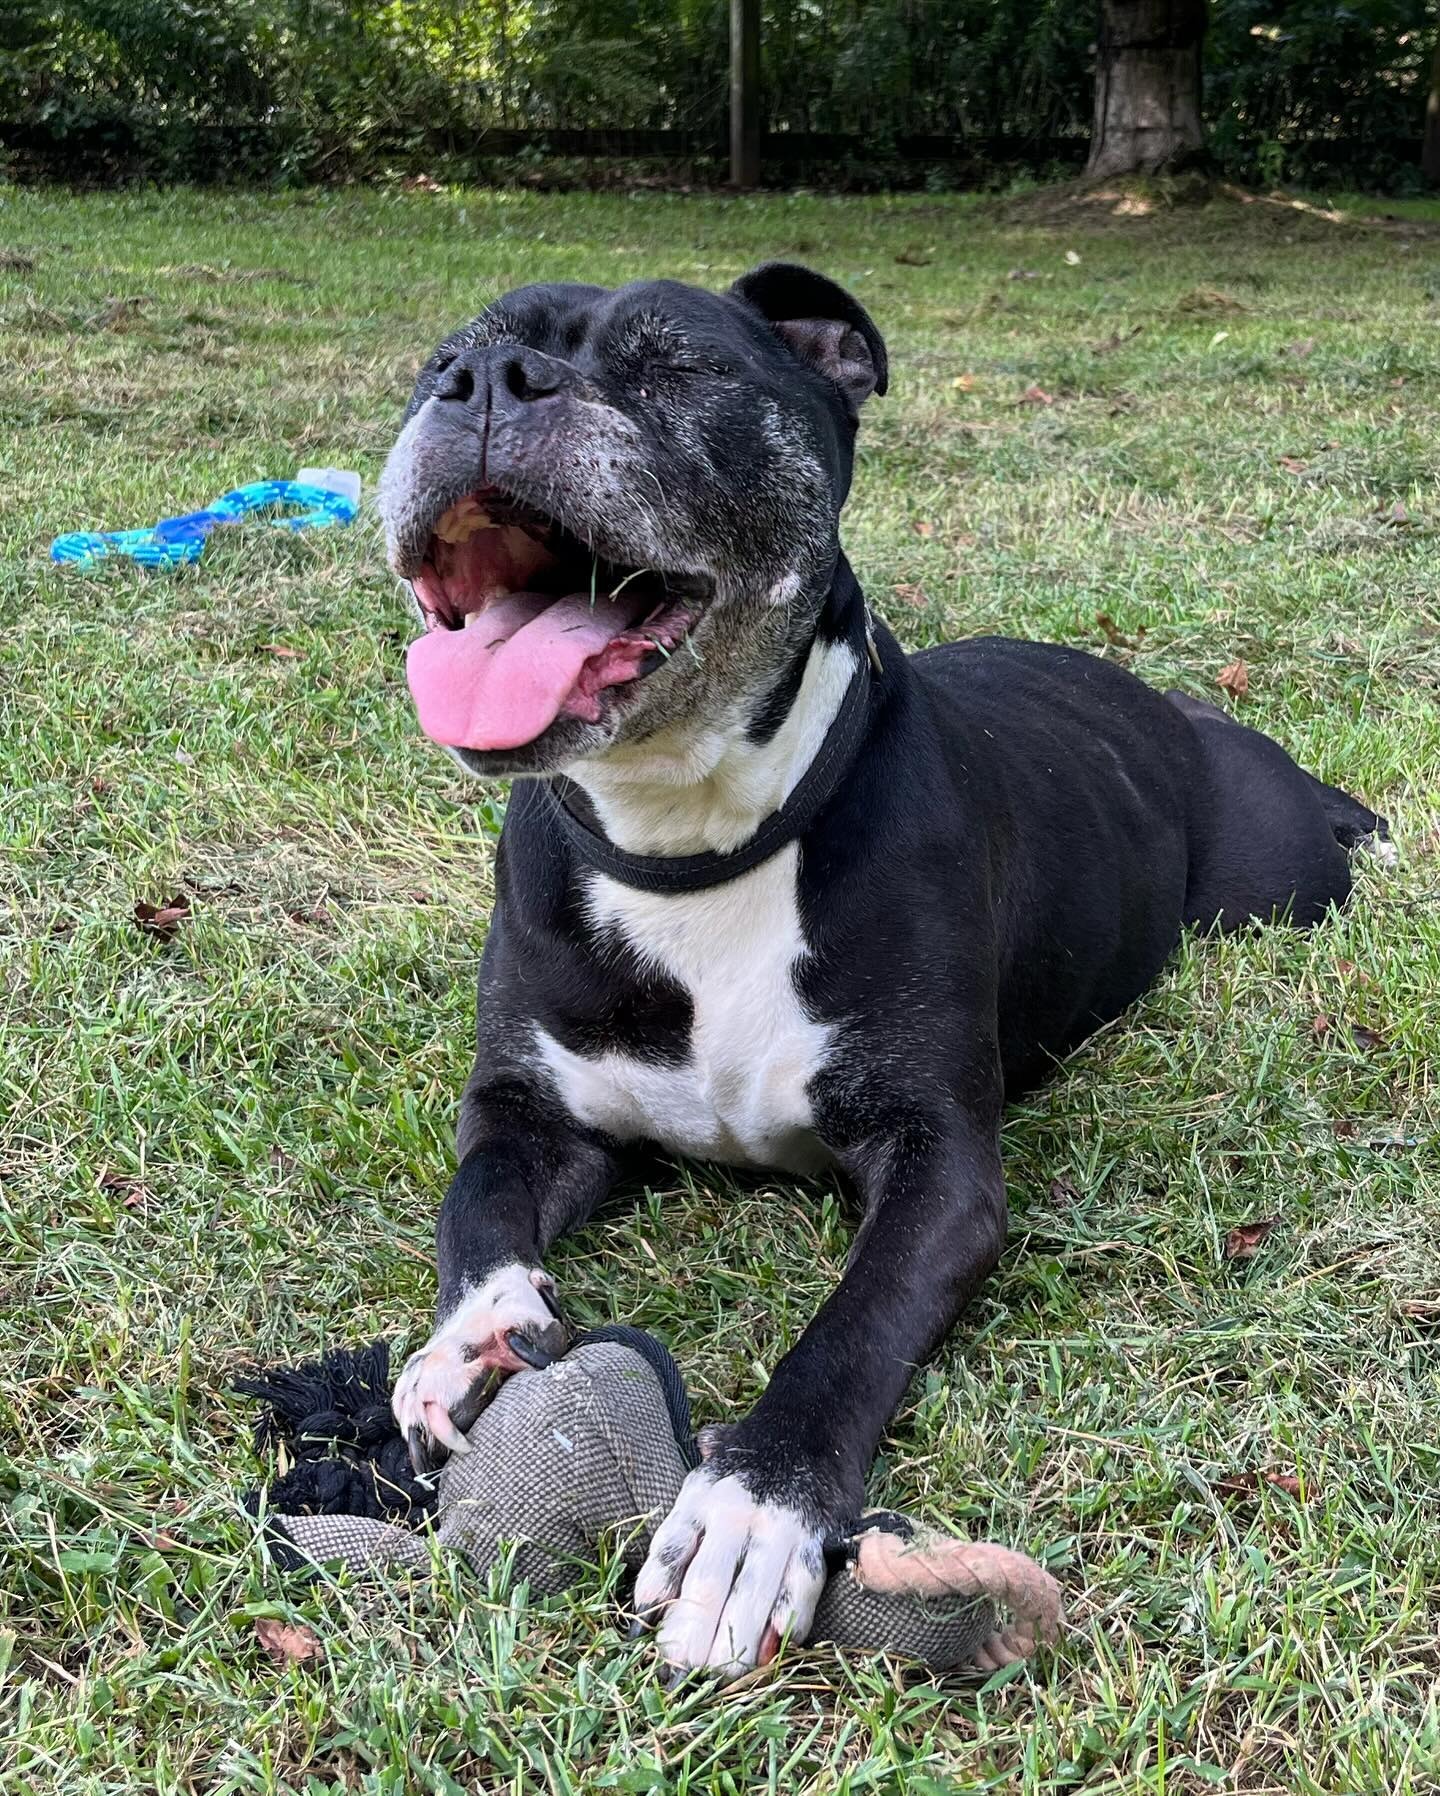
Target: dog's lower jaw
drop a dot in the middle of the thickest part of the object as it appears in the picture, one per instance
(707, 785)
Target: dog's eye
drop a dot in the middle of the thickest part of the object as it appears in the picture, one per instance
(693, 366)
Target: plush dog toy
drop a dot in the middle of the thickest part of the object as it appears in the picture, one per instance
(593, 1444)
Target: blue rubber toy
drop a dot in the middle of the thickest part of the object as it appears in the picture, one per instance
(323, 496)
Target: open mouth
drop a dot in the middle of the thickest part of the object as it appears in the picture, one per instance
(524, 624)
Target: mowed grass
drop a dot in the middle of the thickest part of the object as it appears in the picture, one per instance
(1220, 428)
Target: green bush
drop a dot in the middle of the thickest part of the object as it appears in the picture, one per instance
(337, 87)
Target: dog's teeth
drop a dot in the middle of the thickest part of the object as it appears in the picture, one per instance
(463, 520)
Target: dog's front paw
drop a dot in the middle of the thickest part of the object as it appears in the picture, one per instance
(505, 1323)
(731, 1573)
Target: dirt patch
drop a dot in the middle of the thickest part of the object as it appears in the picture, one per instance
(1195, 206)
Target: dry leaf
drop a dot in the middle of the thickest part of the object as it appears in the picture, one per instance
(1023, 274)
(1107, 344)
(162, 919)
(965, 382)
(1235, 678)
(1300, 349)
(1244, 1484)
(117, 312)
(915, 258)
(1320, 1024)
(281, 651)
(1072, 258)
(1369, 1039)
(287, 1643)
(922, 527)
(1113, 634)
(1292, 464)
(1208, 299)
(1036, 395)
(132, 1192)
(1062, 1191)
(1398, 515)
(911, 594)
(1244, 1241)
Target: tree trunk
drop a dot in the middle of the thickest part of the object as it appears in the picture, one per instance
(744, 93)
(1430, 153)
(1147, 85)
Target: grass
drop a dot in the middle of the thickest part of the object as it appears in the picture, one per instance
(230, 1144)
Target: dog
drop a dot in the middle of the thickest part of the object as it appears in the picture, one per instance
(770, 892)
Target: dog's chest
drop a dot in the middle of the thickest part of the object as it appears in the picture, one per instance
(741, 1093)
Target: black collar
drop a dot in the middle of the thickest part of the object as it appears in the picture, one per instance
(694, 872)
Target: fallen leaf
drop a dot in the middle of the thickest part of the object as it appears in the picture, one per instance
(1398, 515)
(1218, 339)
(1243, 1242)
(1036, 395)
(1235, 678)
(162, 920)
(922, 527)
(1300, 349)
(1207, 299)
(281, 651)
(1062, 1191)
(287, 1643)
(1112, 342)
(915, 258)
(317, 917)
(1369, 1039)
(1113, 634)
(1242, 1484)
(421, 184)
(1072, 258)
(911, 594)
(1292, 464)
(965, 382)
(1320, 1025)
(14, 261)
(132, 1192)
(1345, 1127)
(116, 312)
(1023, 274)
(1348, 970)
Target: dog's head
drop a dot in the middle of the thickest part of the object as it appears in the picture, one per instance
(618, 509)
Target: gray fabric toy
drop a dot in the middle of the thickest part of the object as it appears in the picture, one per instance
(597, 1444)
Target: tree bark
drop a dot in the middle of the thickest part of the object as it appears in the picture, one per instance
(1430, 153)
(1147, 86)
(744, 93)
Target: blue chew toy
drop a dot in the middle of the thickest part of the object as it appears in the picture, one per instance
(324, 496)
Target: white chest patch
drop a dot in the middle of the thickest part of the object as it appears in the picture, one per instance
(741, 1095)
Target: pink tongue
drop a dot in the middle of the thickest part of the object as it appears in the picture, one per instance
(503, 679)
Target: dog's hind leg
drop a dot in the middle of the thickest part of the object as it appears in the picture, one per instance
(1268, 840)
(1353, 825)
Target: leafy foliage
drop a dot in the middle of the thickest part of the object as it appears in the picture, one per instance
(323, 87)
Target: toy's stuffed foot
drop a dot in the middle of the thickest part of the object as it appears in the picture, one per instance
(958, 1605)
(507, 1323)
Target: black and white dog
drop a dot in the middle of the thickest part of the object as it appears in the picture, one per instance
(779, 895)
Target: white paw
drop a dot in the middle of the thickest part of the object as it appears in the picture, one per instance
(730, 1575)
(446, 1384)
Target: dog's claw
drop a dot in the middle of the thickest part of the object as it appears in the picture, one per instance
(524, 1348)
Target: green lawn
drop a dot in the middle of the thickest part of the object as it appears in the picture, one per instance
(231, 1144)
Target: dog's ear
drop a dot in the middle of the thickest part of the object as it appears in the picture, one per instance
(829, 330)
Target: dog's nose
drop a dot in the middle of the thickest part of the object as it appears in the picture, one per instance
(501, 376)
